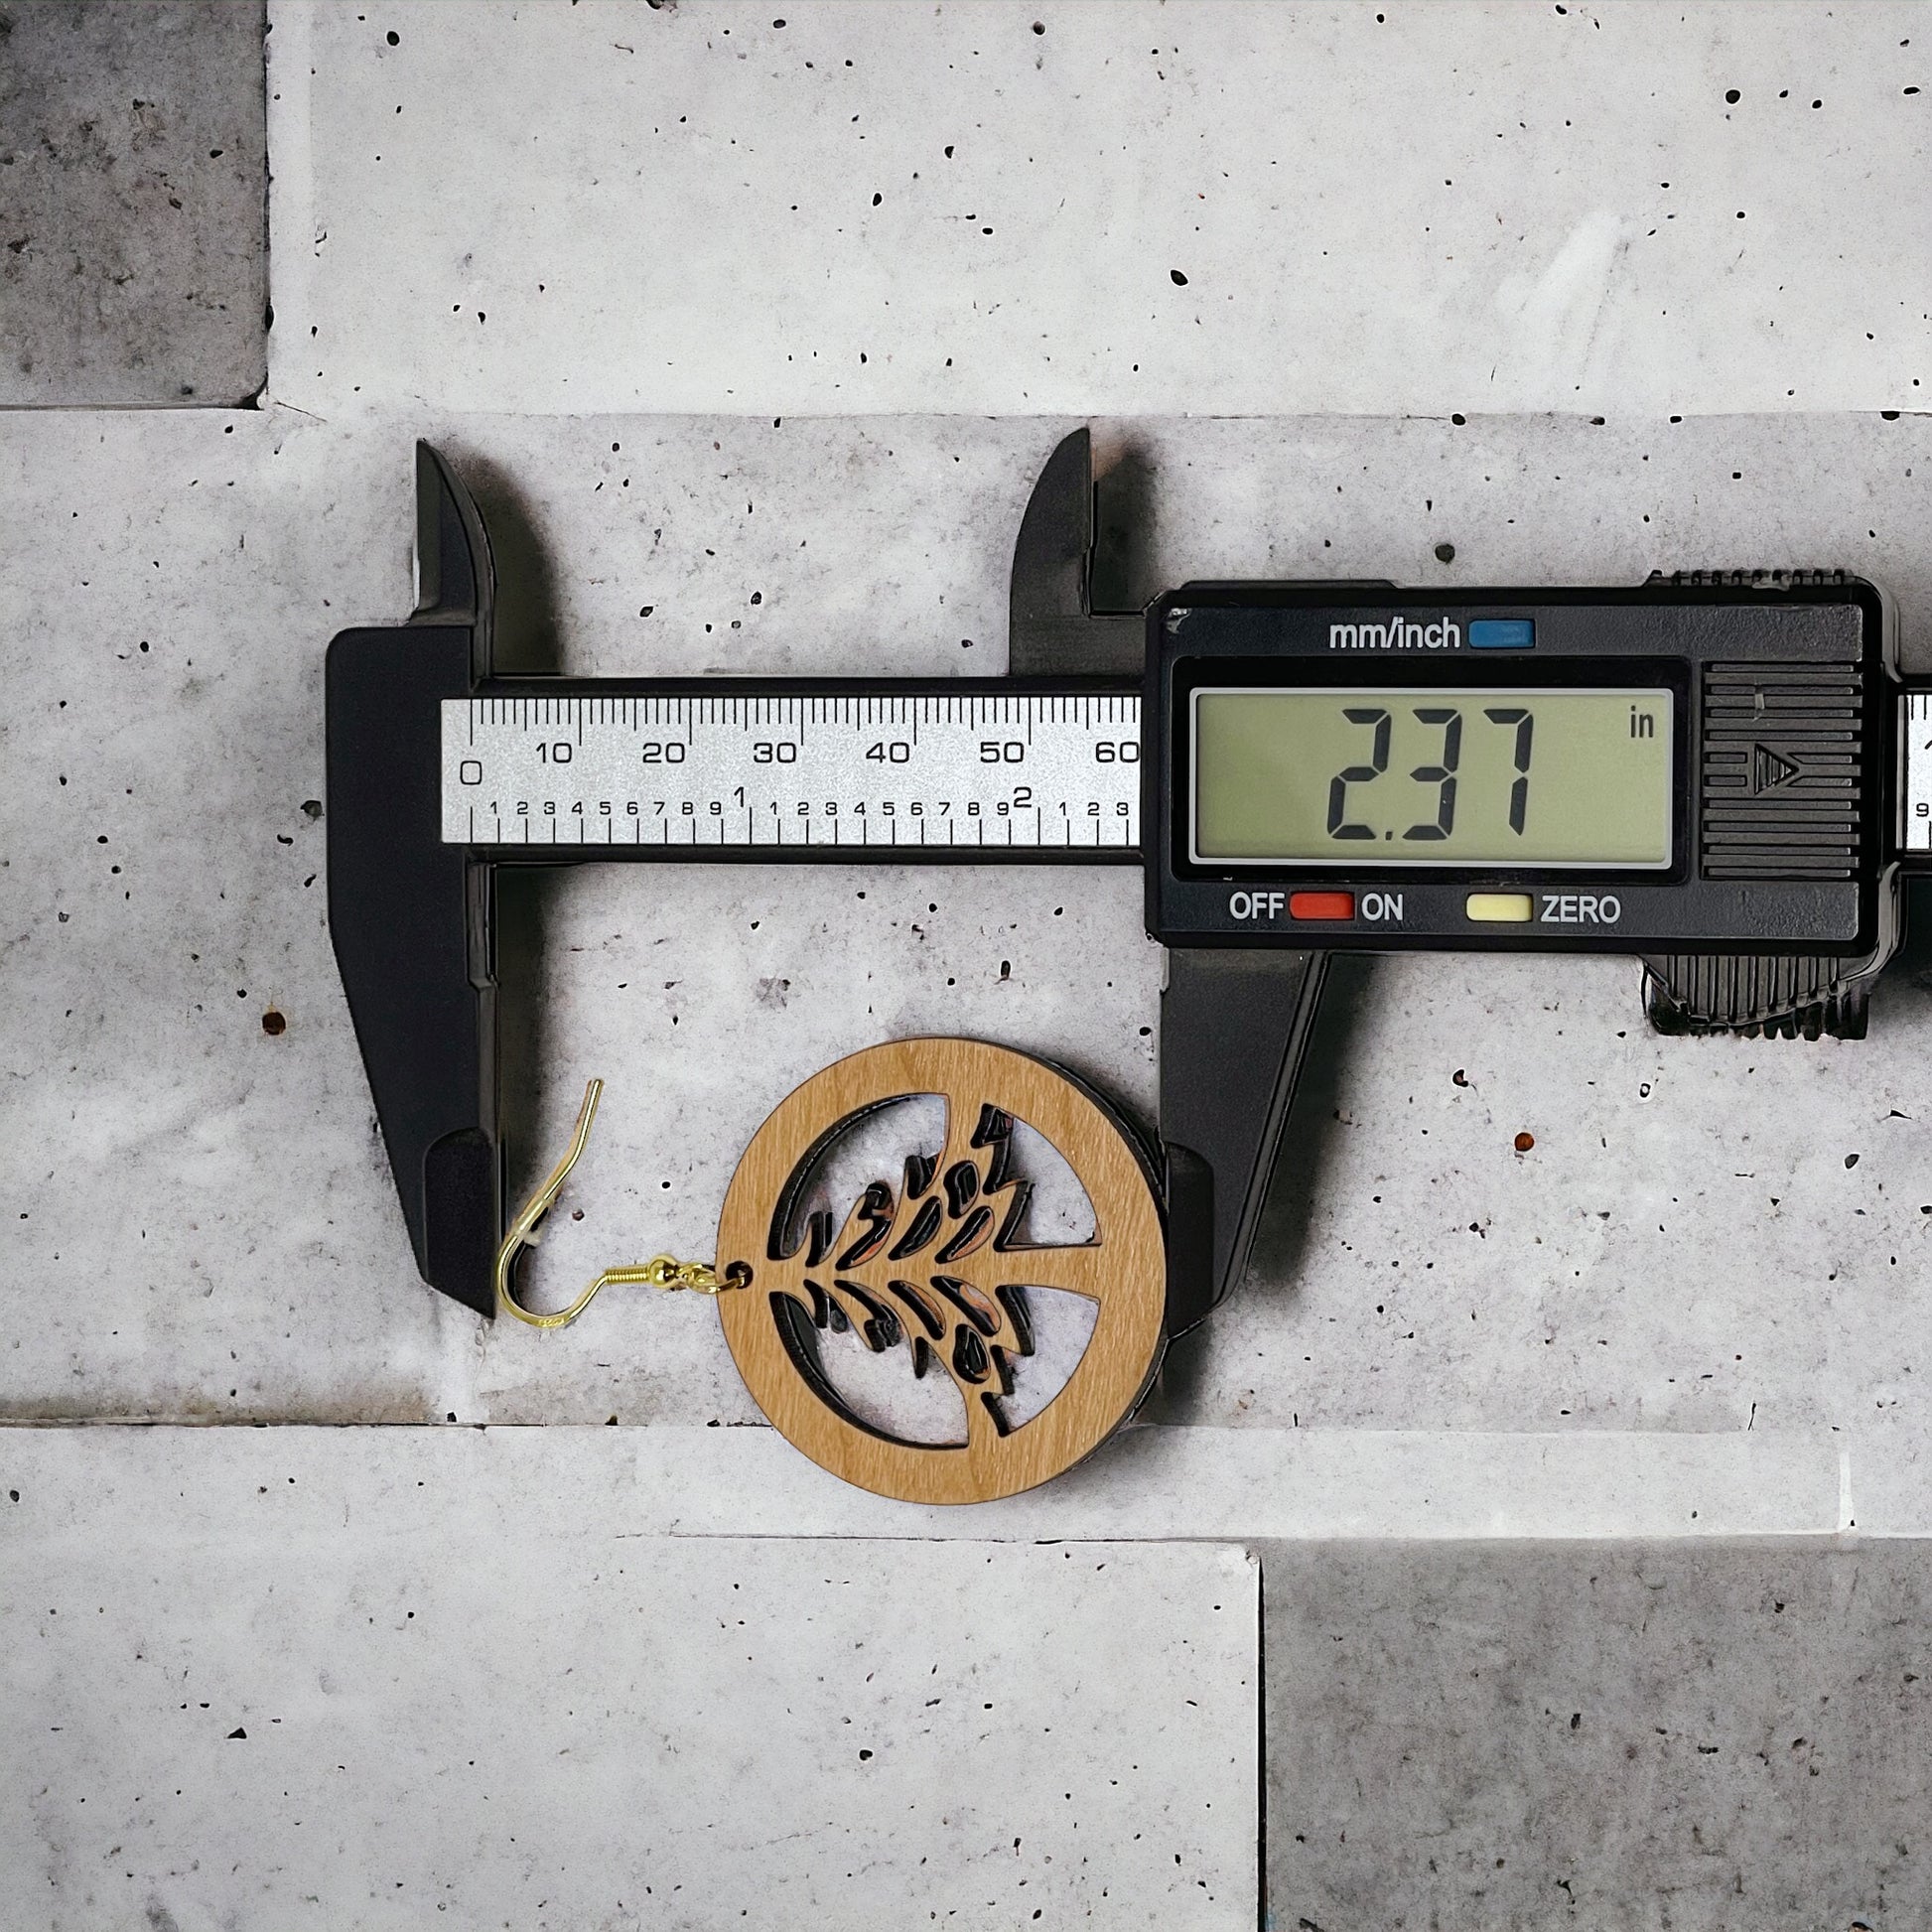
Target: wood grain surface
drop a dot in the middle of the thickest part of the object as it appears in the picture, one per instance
(935, 1263)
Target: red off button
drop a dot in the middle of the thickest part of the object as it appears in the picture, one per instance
(1321, 905)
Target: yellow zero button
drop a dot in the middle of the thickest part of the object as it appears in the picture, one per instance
(1508, 908)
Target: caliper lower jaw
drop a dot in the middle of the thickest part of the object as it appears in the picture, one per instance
(409, 915)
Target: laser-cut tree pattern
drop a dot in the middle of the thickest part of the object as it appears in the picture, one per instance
(936, 1265)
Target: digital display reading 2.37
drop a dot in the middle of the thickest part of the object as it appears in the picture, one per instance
(1387, 777)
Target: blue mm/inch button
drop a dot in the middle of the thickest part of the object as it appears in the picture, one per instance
(1502, 633)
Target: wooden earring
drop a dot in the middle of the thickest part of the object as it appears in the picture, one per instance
(936, 1267)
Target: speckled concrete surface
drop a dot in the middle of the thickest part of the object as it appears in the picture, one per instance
(1690, 1311)
(1130, 208)
(355, 1726)
(1700, 1739)
(1686, 1248)
(133, 211)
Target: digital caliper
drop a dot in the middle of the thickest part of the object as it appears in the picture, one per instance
(1720, 774)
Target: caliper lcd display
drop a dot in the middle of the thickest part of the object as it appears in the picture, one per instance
(1428, 777)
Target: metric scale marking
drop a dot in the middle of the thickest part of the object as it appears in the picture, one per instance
(942, 772)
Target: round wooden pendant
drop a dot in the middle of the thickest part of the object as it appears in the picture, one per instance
(933, 1268)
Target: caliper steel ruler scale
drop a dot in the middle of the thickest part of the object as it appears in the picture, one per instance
(686, 771)
(1723, 774)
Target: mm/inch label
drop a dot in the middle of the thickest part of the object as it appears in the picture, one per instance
(837, 773)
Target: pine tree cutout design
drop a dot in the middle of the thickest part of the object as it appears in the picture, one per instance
(934, 1265)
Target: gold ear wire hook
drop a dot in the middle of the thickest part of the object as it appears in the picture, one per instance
(662, 1270)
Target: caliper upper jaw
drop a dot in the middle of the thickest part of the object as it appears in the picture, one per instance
(1052, 628)
(455, 573)
(410, 916)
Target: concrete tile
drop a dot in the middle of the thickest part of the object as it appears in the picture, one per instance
(1624, 1736)
(134, 146)
(220, 1194)
(992, 209)
(224, 1726)
(1891, 1479)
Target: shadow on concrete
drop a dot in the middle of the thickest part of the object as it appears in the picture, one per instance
(1123, 522)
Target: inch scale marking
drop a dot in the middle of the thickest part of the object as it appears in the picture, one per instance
(834, 771)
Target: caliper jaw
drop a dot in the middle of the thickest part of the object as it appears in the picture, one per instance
(412, 918)
(1052, 628)
(1235, 1025)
